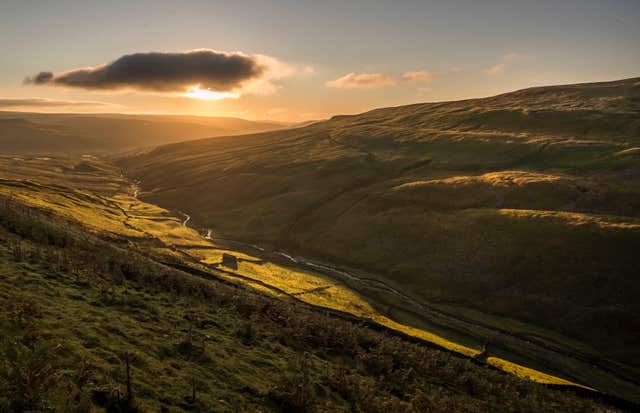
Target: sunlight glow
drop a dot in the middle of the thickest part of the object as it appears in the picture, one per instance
(206, 94)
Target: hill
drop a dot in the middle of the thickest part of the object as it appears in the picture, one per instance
(517, 212)
(40, 133)
(107, 304)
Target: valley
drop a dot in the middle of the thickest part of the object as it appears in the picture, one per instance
(320, 207)
(92, 192)
(495, 216)
(469, 239)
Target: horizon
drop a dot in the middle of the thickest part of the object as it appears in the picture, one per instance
(296, 123)
(319, 60)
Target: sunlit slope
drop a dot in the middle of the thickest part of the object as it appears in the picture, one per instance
(522, 205)
(79, 306)
(92, 193)
(591, 111)
(65, 134)
(102, 201)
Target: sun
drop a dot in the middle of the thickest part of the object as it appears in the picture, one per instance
(196, 92)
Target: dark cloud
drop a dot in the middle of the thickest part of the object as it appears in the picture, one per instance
(39, 79)
(41, 102)
(162, 72)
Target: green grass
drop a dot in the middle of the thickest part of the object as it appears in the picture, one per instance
(98, 326)
(74, 304)
(119, 214)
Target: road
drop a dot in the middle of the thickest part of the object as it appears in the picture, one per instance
(186, 216)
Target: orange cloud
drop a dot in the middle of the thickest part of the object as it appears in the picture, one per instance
(373, 80)
(496, 70)
(505, 61)
(420, 76)
(510, 57)
(361, 80)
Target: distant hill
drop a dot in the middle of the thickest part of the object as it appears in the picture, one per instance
(520, 210)
(40, 133)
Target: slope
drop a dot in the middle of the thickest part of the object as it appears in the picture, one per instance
(97, 315)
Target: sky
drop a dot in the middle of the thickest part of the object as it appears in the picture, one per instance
(301, 60)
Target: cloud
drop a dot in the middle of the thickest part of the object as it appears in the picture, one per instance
(42, 102)
(174, 73)
(505, 61)
(374, 80)
(420, 76)
(511, 57)
(496, 70)
(40, 79)
(361, 80)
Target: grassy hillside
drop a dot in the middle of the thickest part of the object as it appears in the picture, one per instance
(515, 210)
(92, 192)
(97, 316)
(39, 133)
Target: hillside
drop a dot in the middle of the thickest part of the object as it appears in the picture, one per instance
(68, 134)
(107, 304)
(517, 212)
